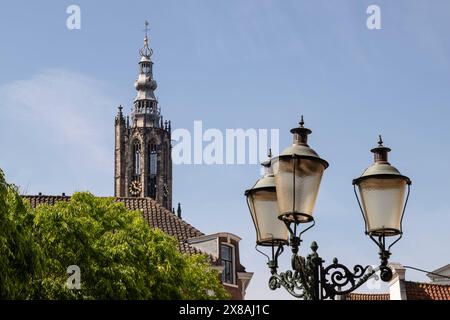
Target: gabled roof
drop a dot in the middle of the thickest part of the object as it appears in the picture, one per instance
(439, 270)
(156, 215)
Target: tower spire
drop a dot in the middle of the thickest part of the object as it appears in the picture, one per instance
(143, 163)
(145, 103)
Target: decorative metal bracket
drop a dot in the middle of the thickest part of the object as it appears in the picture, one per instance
(310, 280)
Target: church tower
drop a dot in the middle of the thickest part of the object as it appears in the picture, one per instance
(143, 160)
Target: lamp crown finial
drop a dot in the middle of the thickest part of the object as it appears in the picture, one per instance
(301, 133)
(380, 141)
(380, 152)
(270, 153)
(302, 122)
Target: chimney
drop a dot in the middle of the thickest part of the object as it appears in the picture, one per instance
(397, 290)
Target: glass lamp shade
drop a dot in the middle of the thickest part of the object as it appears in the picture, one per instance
(382, 201)
(384, 192)
(297, 181)
(298, 171)
(262, 203)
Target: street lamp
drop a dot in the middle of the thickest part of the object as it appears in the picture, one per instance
(289, 190)
(262, 203)
(382, 189)
(298, 172)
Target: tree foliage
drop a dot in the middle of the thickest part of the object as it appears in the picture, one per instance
(20, 257)
(119, 255)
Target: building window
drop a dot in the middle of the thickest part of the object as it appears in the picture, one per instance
(226, 254)
(137, 160)
(153, 159)
(152, 170)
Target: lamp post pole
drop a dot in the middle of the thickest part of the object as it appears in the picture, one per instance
(281, 204)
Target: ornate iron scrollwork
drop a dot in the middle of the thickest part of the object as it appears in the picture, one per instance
(337, 279)
(300, 282)
(310, 280)
(291, 281)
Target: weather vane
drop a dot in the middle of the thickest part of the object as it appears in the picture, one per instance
(146, 28)
(146, 51)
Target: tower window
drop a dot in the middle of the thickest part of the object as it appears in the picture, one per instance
(137, 160)
(226, 257)
(152, 170)
(153, 159)
(146, 68)
(153, 163)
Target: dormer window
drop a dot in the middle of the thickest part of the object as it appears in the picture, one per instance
(226, 257)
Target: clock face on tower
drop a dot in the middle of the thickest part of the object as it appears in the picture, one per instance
(135, 188)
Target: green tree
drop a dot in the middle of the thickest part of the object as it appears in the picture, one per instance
(119, 255)
(20, 257)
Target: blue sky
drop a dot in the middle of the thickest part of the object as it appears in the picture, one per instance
(239, 64)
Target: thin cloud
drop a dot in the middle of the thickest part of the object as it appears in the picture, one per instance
(67, 114)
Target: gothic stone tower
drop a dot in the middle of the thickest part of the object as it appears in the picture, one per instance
(143, 161)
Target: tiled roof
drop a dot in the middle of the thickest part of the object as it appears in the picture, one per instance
(426, 291)
(156, 215)
(414, 291)
(159, 217)
(367, 296)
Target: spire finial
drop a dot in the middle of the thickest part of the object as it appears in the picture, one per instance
(146, 51)
(270, 153)
(179, 210)
(301, 123)
(146, 28)
(380, 141)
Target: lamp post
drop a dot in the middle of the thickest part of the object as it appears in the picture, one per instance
(282, 202)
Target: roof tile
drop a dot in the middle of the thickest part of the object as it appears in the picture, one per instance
(414, 291)
(426, 291)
